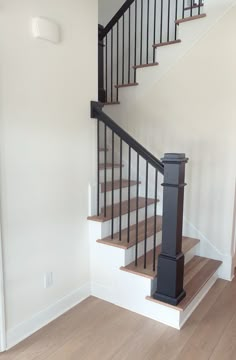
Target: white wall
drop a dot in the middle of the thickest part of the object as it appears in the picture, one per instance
(107, 9)
(47, 153)
(192, 109)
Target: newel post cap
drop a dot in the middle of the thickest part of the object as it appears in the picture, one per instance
(174, 158)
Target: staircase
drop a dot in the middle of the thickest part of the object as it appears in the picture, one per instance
(140, 258)
(132, 38)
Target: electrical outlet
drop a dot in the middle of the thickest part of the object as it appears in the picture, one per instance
(48, 280)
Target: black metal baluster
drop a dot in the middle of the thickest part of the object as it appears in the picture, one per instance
(106, 73)
(183, 12)
(155, 222)
(146, 205)
(112, 189)
(191, 10)
(98, 168)
(129, 174)
(137, 210)
(112, 65)
(120, 221)
(129, 50)
(168, 22)
(101, 66)
(161, 23)
(141, 35)
(148, 6)
(199, 6)
(105, 171)
(176, 18)
(135, 39)
(117, 62)
(154, 29)
(123, 51)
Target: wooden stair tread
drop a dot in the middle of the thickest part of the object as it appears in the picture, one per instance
(195, 6)
(132, 241)
(126, 85)
(124, 184)
(166, 43)
(187, 244)
(196, 274)
(124, 209)
(109, 166)
(112, 103)
(190, 18)
(145, 65)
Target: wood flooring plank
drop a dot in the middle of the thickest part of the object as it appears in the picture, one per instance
(96, 336)
(47, 339)
(96, 330)
(172, 342)
(209, 332)
(226, 347)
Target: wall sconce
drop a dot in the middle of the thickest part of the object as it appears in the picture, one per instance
(46, 29)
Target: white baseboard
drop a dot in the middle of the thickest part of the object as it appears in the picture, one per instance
(44, 317)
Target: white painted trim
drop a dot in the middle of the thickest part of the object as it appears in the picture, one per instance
(234, 231)
(2, 298)
(44, 317)
(2, 288)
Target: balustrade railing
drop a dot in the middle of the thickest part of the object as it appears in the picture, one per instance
(130, 40)
(142, 167)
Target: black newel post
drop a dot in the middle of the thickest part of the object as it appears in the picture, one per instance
(170, 273)
(101, 90)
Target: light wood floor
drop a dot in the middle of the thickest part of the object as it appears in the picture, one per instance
(96, 330)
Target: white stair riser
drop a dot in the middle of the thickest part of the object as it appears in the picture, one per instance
(190, 254)
(109, 174)
(117, 196)
(102, 156)
(130, 253)
(106, 228)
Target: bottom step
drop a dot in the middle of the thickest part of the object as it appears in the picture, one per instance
(149, 272)
(196, 275)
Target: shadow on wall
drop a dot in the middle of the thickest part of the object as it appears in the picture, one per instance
(234, 229)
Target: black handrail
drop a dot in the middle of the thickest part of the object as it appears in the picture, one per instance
(115, 18)
(97, 113)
